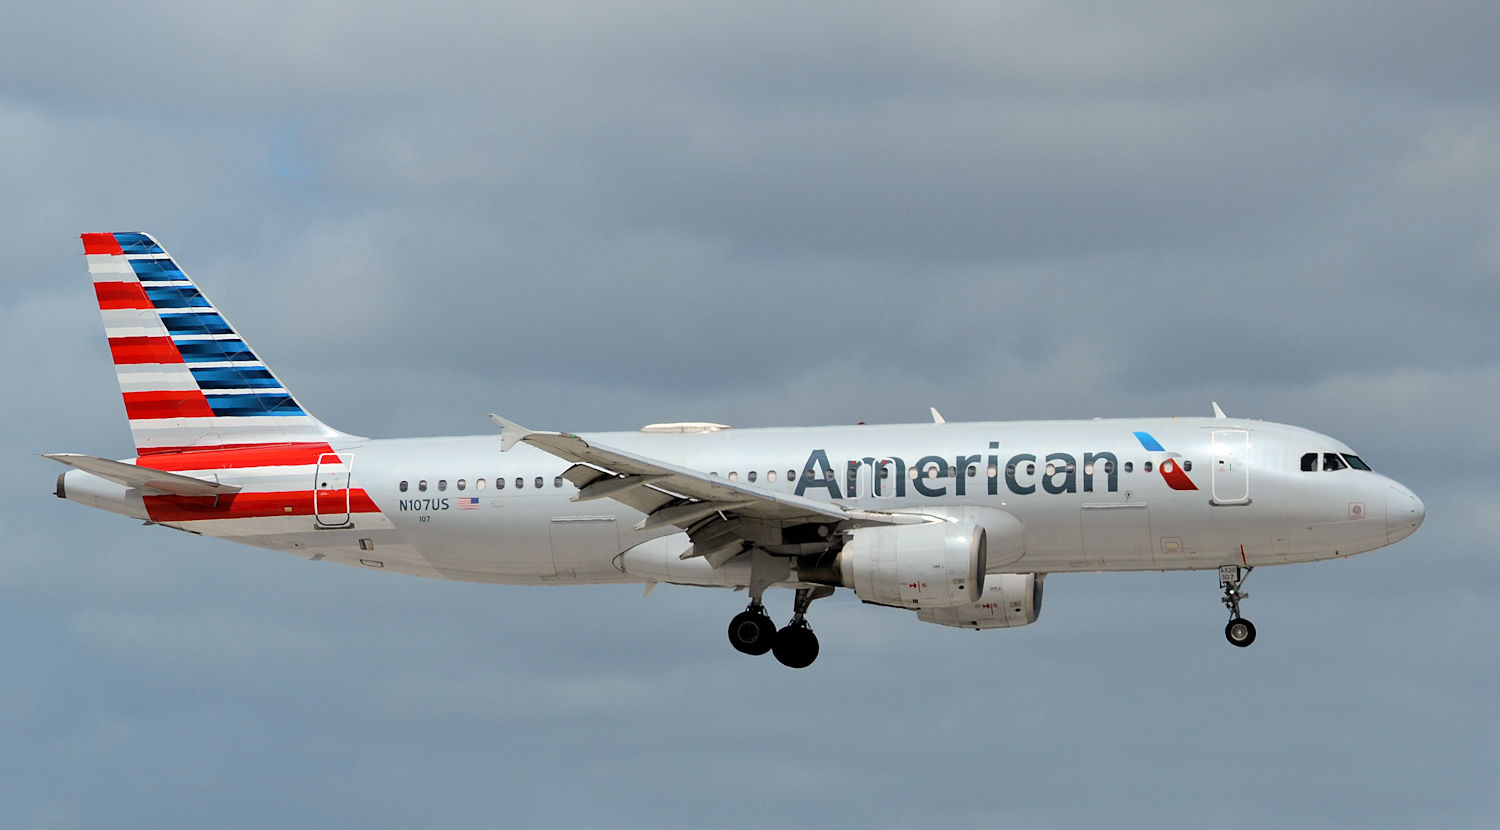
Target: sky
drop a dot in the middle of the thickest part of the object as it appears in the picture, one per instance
(591, 216)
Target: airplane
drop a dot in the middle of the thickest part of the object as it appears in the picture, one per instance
(959, 523)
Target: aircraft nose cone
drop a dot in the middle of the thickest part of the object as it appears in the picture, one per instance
(1404, 513)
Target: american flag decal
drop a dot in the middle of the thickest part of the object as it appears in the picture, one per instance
(468, 502)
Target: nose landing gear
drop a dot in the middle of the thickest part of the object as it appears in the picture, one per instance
(1239, 632)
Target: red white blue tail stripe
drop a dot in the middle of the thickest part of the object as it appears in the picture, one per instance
(202, 404)
(190, 382)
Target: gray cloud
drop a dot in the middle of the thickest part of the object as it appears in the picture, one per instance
(595, 216)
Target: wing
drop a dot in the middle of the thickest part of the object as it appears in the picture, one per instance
(723, 518)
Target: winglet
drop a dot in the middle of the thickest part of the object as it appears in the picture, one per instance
(937, 417)
(1218, 413)
(510, 432)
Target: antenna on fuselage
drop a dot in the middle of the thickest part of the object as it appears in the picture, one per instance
(1218, 413)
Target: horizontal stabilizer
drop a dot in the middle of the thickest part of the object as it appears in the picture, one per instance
(145, 478)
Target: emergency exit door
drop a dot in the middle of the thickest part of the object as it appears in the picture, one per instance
(1231, 473)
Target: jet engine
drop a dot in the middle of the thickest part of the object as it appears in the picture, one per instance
(933, 565)
(1009, 600)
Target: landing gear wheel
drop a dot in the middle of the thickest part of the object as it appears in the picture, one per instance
(1239, 632)
(752, 632)
(796, 646)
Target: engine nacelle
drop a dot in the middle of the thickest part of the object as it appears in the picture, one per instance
(1009, 600)
(933, 565)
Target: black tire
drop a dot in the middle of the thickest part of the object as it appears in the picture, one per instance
(1239, 632)
(796, 646)
(752, 632)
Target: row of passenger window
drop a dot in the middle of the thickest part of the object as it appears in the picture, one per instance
(1333, 461)
(934, 471)
(479, 484)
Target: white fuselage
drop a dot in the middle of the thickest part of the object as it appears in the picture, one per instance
(1091, 496)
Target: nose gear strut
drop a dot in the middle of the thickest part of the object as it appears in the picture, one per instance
(1240, 631)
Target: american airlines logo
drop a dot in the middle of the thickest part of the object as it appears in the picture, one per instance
(1171, 469)
(1022, 474)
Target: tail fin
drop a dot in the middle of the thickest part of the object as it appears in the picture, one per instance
(189, 380)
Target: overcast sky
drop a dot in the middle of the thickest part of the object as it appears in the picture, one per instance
(599, 215)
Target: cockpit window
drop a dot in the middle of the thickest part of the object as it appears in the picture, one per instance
(1333, 461)
(1310, 462)
(1357, 463)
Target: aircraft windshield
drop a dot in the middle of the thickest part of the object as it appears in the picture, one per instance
(1333, 461)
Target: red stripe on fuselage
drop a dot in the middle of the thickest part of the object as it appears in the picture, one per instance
(253, 505)
(152, 451)
(129, 351)
(101, 243)
(145, 406)
(121, 295)
(237, 458)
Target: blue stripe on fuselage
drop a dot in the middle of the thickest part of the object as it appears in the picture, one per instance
(1150, 443)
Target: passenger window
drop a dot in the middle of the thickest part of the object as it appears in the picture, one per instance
(1146, 467)
(459, 484)
(1357, 463)
(750, 476)
(791, 475)
(1128, 466)
(402, 487)
(1187, 465)
(973, 470)
(557, 482)
(1031, 469)
(1332, 461)
(422, 486)
(1310, 462)
(734, 475)
(520, 483)
(499, 483)
(478, 484)
(538, 482)
(442, 484)
(771, 476)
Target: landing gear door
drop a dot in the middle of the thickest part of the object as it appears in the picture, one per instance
(331, 491)
(1231, 473)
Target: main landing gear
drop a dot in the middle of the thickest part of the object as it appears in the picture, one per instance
(751, 631)
(795, 645)
(1240, 631)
